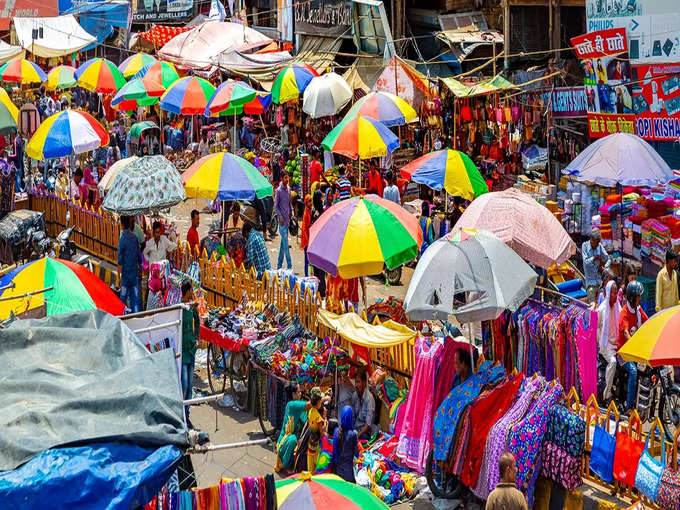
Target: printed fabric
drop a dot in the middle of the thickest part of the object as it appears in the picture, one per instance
(669, 490)
(567, 430)
(560, 467)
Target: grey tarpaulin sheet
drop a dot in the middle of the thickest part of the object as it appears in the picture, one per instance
(83, 377)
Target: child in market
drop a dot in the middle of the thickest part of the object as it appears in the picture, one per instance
(317, 424)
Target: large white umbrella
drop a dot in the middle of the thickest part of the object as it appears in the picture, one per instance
(326, 95)
(106, 181)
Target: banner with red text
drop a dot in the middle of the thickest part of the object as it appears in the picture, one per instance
(656, 101)
(600, 44)
(604, 124)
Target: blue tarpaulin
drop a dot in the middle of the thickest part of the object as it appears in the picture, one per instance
(100, 18)
(102, 476)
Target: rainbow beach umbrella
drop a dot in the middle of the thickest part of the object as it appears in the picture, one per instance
(292, 81)
(229, 94)
(226, 177)
(65, 133)
(361, 137)
(134, 63)
(100, 75)
(22, 71)
(136, 89)
(5, 100)
(160, 72)
(355, 237)
(389, 109)
(656, 342)
(61, 77)
(449, 169)
(323, 492)
(188, 96)
(71, 287)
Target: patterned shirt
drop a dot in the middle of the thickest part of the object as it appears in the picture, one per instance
(344, 188)
(257, 253)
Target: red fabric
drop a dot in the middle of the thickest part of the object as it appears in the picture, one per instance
(629, 320)
(216, 338)
(444, 382)
(375, 183)
(304, 230)
(158, 35)
(485, 412)
(315, 171)
(192, 239)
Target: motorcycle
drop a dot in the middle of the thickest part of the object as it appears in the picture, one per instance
(658, 395)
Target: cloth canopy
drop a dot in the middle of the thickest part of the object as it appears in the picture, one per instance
(9, 52)
(62, 35)
(495, 84)
(356, 330)
(100, 18)
(409, 85)
(197, 48)
(159, 35)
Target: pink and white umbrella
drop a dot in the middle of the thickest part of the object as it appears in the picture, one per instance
(522, 223)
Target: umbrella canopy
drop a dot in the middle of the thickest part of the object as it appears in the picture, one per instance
(61, 77)
(134, 63)
(620, 158)
(100, 75)
(360, 137)
(449, 169)
(357, 236)
(65, 133)
(291, 81)
(105, 182)
(5, 100)
(523, 224)
(138, 128)
(147, 185)
(8, 123)
(74, 288)
(656, 342)
(322, 492)
(22, 71)
(225, 176)
(389, 109)
(472, 263)
(163, 73)
(136, 89)
(229, 94)
(187, 96)
(326, 95)
(258, 105)
(129, 105)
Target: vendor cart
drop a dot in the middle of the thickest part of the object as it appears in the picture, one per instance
(22, 235)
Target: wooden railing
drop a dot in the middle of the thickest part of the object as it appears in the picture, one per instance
(96, 232)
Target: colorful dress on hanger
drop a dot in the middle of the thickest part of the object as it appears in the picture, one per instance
(415, 433)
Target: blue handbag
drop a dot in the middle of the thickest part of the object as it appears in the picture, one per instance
(650, 470)
(602, 452)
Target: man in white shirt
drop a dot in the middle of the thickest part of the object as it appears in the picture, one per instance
(158, 247)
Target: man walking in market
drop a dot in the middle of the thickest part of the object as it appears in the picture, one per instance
(594, 260)
(129, 263)
(667, 283)
(283, 207)
(506, 496)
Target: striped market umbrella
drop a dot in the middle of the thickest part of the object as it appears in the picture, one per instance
(291, 82)
(7, 102)
(160, 72)
(656, 342)
(22, 71)
(188, 96)
(449, 169)
(71, 287)
(355, 237)
(389, 109)
(229, 94)
(100, 75)
(361, 137)
(134, 63)
(61, 77)
(226, 177)
(136, 89)
(65, 133)
(257, 106)
(8, 124)
(323, 492)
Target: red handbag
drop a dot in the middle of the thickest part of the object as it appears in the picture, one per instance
(495, 152)
(628, 452)
(466, 113)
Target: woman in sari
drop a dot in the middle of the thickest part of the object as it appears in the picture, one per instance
(293, 421)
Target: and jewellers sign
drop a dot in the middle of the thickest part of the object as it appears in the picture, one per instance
(324, 17)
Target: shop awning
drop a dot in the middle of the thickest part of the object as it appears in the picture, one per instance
(356, 330)
(9, 52)
(495, 84)
(100, 18)
(59, 36)
(402, 79)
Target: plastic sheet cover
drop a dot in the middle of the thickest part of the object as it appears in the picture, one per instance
(82, 378)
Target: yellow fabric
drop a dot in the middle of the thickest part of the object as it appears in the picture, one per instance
(574, 500)
(456, 179)
(353, 328)
(606, 505)
(666, 290)
(542, 494)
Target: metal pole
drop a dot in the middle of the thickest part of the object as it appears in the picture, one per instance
(226, 446)
(157, 327)
(27, 294)
(202, 400)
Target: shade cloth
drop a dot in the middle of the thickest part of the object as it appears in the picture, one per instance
(460, 89)
(9, 52)
(62, 35)
(353, 328)
(100, 18)
(83, 377)
(402, 80)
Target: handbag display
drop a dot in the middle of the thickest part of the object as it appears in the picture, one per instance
(602, 452)
(628, 453)
(669, 487)
(649, 471)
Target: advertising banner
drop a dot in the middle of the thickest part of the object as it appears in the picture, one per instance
(600, 44)
(569, 102)
(26, 9)
(328, 18)
(656, 101)
(161, 10)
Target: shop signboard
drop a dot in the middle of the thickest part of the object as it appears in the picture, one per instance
(656, 101)
(328, 18)
(161, 10)
(26, 9)
(569, 102)
(606, 70)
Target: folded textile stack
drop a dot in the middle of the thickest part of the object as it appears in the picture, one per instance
(673, 225)
(656, 239)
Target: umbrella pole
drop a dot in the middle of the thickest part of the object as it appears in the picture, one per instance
(160, 118)
(472, 358)
(360, 172)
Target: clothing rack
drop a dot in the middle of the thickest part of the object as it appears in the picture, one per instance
(572, 300)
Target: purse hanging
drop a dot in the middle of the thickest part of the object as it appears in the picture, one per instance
(649, 471)
(602, 452)
(628, 452)
(669, 487)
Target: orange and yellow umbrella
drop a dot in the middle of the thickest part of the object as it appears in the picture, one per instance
(656, 342)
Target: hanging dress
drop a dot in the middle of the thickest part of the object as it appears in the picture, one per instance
(415, 433)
